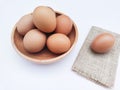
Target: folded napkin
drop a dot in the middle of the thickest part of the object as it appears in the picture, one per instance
(100, 68)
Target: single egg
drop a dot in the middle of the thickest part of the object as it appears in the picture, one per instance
(64, 24)
(103, 43)
(25, 24)
(58, 43)
(34, 41)
(44, 19)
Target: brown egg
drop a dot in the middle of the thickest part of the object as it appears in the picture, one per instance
(103, 43)
(64, 24)
(34, 41)
(44, 19)
(58, 43)
(25, 24)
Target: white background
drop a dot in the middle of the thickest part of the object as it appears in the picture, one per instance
(16, 73)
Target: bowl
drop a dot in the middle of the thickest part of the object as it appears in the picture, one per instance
(44, 56)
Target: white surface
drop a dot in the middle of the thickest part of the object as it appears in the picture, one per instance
(16, 73)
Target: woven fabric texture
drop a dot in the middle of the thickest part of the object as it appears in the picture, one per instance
(100, 68)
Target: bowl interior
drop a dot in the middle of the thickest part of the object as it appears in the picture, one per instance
(45, 54)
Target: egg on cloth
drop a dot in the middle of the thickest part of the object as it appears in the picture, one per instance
(44, 19)
(34, 41)
(58, 43)
(103, 43)
(64, 24)
(25, 24)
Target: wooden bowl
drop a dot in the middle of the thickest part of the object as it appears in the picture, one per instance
(44, 56)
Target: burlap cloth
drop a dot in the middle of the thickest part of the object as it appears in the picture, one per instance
(100, 68)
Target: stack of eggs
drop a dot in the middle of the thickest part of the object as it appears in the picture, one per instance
(43, 28)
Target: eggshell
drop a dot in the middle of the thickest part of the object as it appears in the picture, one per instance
(44, 19)
(64, 24)
(34, 41)
(25, 24)
(58, 43)
(103, 43)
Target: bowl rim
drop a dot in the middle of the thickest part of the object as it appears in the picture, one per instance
(47, 61)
